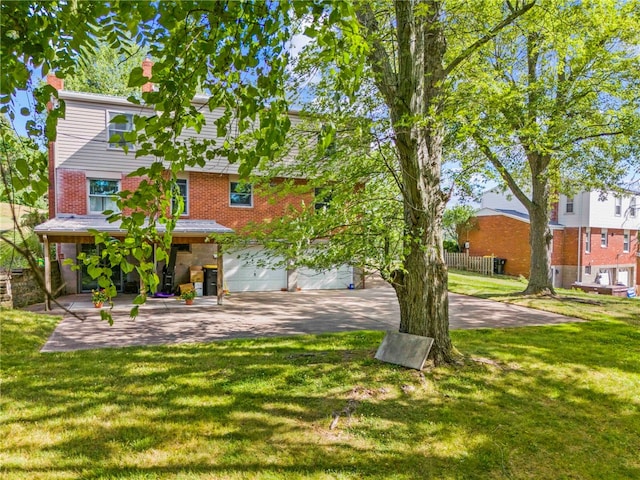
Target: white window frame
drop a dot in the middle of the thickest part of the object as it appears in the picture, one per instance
(587, 241)
(108, 196)
(232, 187)
(632, 207)
(617, 209)
(570, 202)
(626, 241)
(185, 182)
(112, 129)
(604, 238)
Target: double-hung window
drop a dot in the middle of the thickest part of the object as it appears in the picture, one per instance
(587, 241)
(322, 197)
(102, 195)
(116, 131)
(626, 241)
(569, 205)
(632, 207)
(181, 190)
(604, 240)
(618, 206)
(240, 194)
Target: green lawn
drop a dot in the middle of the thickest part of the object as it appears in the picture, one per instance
(543, 402)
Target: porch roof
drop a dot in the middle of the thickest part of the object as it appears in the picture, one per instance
(76, 228)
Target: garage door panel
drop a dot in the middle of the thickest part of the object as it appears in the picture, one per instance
(334, 279)
(242, 274)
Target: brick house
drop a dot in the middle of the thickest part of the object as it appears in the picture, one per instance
(85, 170)
(595, 238)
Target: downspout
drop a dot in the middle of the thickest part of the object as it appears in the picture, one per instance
(579, 272)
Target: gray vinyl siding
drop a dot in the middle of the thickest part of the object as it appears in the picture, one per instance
(82, 141)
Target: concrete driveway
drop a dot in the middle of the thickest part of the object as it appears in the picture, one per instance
(246, 315)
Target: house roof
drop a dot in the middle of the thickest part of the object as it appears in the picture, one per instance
(524, 217)
(120, 100)
(80, 225)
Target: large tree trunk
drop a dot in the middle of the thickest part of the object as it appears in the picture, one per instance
(422, 286)
(540, 237)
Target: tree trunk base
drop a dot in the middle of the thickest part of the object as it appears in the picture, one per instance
(440, 357)
(539, 290)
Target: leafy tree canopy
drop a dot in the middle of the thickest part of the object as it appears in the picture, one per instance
(555, 108)
(106, 70)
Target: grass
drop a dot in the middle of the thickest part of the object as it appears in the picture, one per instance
(559, 402)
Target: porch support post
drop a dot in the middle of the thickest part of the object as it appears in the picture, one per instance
(220, 276)
(47, 274)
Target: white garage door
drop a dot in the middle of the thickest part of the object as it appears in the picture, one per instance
(333, 279)
(242, 274)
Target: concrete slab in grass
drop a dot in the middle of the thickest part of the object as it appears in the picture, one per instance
(404, 349)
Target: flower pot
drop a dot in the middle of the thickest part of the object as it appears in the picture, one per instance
(97, 304)
(189, 301)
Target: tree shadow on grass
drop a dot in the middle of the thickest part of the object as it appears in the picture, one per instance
(263, 408)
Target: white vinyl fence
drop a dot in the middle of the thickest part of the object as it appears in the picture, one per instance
(462, 261)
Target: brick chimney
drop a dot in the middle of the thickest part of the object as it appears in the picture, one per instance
(147, 64)
(55, 82)
(58, 84)
(554, 212)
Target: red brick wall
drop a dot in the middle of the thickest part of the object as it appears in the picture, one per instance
(509, 238)
(569, 248)
(208, 198)
(503, 237)
(52, 183)
(609, 255)
(71, 189)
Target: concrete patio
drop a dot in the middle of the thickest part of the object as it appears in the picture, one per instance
(267, 314)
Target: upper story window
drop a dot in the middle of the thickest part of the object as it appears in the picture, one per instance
(322, 199)
(632, 207)
(240, 194)
(102, 195)
(626, 242)
(587, 241)
(604, 239)
(182, 189)
(115, 131)
(618, 206)
(569, 205)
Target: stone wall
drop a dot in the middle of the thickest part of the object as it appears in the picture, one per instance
(25, 289)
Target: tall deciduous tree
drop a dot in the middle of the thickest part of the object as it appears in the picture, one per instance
(556, 107)
(411, 67)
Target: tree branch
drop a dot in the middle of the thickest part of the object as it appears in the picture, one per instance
(471, 49)
(386, 80)
(595, 135)
(502, 170)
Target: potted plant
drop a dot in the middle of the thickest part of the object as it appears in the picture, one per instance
(98, 297)
(188, 296)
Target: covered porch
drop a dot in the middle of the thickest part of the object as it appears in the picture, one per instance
(191, 245)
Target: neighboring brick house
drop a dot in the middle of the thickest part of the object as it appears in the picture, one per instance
(595, 238)
(85, 170)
